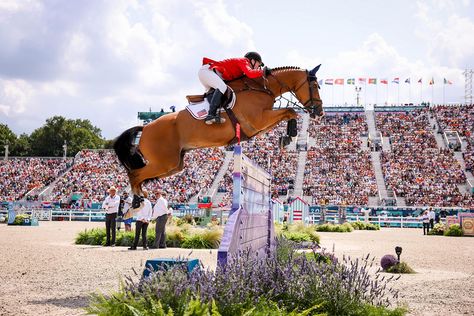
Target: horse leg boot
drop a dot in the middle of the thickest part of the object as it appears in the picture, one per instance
(216, 100)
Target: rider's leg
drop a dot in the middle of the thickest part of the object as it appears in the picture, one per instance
(216, 100)
(210, 79)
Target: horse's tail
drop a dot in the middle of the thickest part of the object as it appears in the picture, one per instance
(127, 151)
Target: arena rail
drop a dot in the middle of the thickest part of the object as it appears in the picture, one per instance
(382, 221)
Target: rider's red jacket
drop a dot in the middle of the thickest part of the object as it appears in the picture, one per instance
(233, 68)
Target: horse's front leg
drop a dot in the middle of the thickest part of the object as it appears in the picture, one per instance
(270, 118)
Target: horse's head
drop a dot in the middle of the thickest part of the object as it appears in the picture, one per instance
(304, 85)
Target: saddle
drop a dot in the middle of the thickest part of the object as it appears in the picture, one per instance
(198, 98)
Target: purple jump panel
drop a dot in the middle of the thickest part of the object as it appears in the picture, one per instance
(250, 224)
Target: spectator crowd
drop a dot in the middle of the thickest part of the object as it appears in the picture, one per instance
(337, 170)
(416, 168)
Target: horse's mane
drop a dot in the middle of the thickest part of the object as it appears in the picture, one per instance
(284, 68)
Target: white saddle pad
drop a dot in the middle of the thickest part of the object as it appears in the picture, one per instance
(200, 110)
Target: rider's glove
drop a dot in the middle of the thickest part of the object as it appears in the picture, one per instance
(267, 71)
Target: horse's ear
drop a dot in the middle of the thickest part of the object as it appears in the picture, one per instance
(313, 72)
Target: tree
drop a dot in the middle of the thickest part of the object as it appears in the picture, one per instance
(7, 137)
(22, 146)
(49, 139)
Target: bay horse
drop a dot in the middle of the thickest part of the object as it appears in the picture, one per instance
(159, 151)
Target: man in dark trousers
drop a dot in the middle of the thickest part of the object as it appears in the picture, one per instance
(111, 206)
(160, 214)
(143, 214)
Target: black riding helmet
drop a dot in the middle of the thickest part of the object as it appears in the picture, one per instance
(255, 56)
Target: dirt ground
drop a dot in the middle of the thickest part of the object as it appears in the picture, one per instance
(42, 271)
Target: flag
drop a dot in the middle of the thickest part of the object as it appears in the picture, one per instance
(431, 82)
(407, 80)
(328, 82)
(420, 81)
(396, 80)
(446, 81)
(339, 81)
(372, 81)
(202, 113)
(350, 81)
(361, 80)
(383, 81)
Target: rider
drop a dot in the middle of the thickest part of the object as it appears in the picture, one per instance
(213, 73)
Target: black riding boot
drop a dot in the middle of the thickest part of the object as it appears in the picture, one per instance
(216, 100)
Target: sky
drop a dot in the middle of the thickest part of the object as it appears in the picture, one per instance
(107, 60)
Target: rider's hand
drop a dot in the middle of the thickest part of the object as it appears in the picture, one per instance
(267, 71)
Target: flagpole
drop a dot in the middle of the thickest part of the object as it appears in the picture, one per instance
(386, 95)
(398, 93)
(432, 94)
(444, 95)
(421, 92)
(376, 94)
(333, 94)
(409, 92)
(365, 94)
(343, 94)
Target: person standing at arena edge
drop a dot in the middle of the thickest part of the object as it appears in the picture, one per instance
(426, 222)
(161, 215)
(143, 213)
(432, 216)
(213, 73)
(111, 206)
(127, 211)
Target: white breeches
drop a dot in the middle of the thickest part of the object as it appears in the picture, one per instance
(210, 79)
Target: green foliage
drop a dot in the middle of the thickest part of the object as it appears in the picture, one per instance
(371, 310)
(344, 228)
(203, 239)
(300, 231)
(48, 140)
(454, 230)
(438, 229)
(364, 226)
(401, 267)
(94, 236)
(175, 237)
(297, 236)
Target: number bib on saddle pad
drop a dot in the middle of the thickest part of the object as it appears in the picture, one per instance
(200, 109)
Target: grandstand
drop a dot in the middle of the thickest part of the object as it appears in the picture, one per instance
(425, 157)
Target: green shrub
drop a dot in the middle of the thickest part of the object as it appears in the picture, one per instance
(297, 236)
(94, 236)
(203, 239)
(438, 229)
(200, 238)
(174, 236)
(344, 228)
(401, 267)
(364, 226)
(454, 230)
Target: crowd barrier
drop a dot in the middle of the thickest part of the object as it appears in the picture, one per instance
(382, 221)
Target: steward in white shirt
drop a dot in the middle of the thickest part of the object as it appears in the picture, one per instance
(161, 213)
(111, 206)
(143, 215)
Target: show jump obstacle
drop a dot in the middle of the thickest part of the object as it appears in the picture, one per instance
(250, 224)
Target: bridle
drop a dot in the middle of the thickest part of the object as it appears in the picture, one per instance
(310, 79)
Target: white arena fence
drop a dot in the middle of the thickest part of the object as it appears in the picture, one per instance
(93, 215)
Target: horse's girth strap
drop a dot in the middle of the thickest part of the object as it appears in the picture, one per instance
(235, 121)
